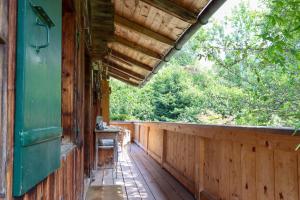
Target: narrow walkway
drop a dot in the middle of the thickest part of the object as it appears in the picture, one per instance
(142, 178)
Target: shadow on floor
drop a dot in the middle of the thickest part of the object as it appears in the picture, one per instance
(140, 177)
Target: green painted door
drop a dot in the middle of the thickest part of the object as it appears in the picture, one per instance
(38, 93)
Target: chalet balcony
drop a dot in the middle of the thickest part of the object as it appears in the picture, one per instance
(56, 62)
(222, 162)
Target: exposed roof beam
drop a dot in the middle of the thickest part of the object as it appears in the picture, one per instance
(123, 79)
(122, 69)
(137, 47)
(131, 60)
(143, 30)
(121, 74)
(173, 9)
(118, 73)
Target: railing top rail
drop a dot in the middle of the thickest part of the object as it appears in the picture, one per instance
(179, 126)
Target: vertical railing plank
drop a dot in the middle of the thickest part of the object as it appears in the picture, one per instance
(286, 175)
(235, 172)
(248, 172)
(265, 174)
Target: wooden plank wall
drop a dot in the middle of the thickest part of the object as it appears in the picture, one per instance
(226, 162)
(68, 181)
(89, 147)
(105, 93)
(8, 34)
(68, 72)
(63, 183)
(3, 97)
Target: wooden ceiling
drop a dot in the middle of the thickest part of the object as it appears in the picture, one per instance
(132, 37)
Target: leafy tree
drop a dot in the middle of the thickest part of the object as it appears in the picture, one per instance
(244, 69)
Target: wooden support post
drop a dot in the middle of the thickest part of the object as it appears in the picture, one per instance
(105, 92)
(68, 75)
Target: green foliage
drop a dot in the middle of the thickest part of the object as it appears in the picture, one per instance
(244, 69)
(174, 94)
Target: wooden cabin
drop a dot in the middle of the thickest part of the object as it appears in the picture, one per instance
(56, 60)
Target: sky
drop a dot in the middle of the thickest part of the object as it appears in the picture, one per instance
(226, 10)
(227, 7)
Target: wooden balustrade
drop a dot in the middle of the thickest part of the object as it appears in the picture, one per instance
(224, 162)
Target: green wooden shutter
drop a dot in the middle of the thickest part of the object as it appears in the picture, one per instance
(38, 93)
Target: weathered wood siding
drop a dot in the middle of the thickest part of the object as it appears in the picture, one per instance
(226, 162)
(3, 97)
(67, 182)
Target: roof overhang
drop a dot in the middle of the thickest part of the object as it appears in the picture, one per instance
(135, 38)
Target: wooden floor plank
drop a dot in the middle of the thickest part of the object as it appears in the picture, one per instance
(168, 190)
(179, 189)
(141, 177)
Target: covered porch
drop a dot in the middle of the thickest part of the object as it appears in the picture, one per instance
(129, 40)
(141, 177)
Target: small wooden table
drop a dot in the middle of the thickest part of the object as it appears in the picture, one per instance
(107, 133)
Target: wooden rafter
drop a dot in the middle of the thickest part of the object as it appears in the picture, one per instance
(118, 73)
(118, 67)
(131, 60)
(136, 47)
(102, 25)
(121, 21)
(122, 74)
(122, 79)
(173, 9)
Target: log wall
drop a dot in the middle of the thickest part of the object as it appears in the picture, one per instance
(68, 181)
(62, 184)
(221, 162)
(3, 96)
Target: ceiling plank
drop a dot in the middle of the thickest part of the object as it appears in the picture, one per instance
(137, 47)
(143, 30)
(122, 79)
(131, 60)
(118, 67)
(173, 9)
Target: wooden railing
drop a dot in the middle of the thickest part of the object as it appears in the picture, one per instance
(223, 162)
